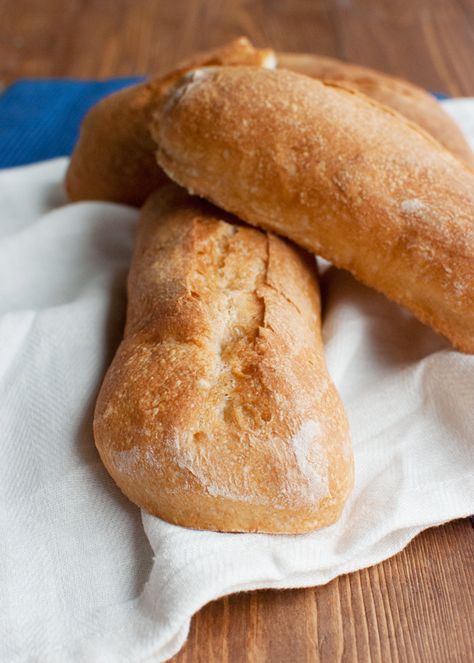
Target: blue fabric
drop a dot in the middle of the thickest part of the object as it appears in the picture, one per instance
(40, 119)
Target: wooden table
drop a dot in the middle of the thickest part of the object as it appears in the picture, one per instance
(419, 605)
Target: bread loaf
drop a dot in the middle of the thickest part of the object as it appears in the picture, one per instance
(217, 411)
(336, 172)
(408, 99)
(114, 157)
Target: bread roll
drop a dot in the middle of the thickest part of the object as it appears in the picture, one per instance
(114, 157)
(217, 411)
(408, 99)
(336, 172)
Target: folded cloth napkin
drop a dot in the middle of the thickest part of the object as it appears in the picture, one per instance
(84, 576)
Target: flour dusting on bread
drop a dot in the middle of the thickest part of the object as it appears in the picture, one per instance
(311, 457)
(218, 411)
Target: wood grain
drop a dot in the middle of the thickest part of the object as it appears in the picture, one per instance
(417, 606)
(430, 42)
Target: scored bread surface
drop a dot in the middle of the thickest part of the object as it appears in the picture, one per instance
(114, 156)
(218, 411)
(338, 173)
(408, 99)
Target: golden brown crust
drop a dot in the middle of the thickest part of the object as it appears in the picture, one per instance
(408, 99)
(114, 157)
(217, 411)
(339, 174)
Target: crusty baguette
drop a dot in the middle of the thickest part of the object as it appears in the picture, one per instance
(217, 411)
(336, 172)
(408, 99)
(114, 157)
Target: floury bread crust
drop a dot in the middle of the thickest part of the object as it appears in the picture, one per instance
(408, 99)
(217, 411)
(114, 157)
(336, 172)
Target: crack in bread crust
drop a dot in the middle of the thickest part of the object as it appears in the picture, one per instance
(114, 157)
(404, 97)
(217, 411)
(336, 172)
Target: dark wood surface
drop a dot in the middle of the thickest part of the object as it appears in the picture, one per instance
(419, 605)
(430, 42)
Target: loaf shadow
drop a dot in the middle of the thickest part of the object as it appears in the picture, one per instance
(396, 338)
(55, 196)
(112, 335)
(141, 551)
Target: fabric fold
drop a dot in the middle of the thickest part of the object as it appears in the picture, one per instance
(84, 575)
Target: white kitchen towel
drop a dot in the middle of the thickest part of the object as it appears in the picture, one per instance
(83, 575)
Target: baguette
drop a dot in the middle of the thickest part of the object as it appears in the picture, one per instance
(336, 172)
(217, 411)
(408, 99)
(114, 157)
